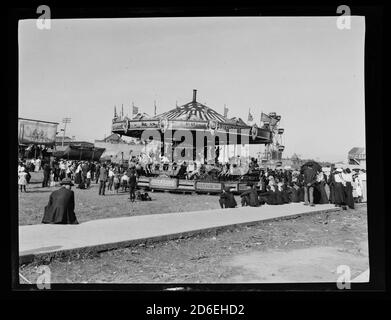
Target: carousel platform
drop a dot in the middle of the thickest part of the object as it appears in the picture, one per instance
(41, 242)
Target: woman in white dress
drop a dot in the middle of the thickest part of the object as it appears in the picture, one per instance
(22, 180)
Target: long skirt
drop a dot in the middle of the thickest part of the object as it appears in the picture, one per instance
(294, 196)
(286, 196)
(301, 194)
(322, 194)
(78, 178)
(348, 190)
(332, 193)
(339, 194)
(327, 189)
(279, 197)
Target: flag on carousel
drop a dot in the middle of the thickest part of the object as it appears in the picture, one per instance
(250, 116)
(225, 111)
(115, 112)
(155, 108)
(265, 117)
(134, 109)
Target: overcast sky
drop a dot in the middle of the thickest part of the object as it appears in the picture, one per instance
(305, 69)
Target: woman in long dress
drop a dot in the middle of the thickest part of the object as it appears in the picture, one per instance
(348, 188)
(323, 199)
(22, 179)
(339, 194)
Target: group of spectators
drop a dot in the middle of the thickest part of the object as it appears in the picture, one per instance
(337, 186)
(311, 185)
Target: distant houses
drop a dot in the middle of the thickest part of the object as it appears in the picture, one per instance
(357, 156)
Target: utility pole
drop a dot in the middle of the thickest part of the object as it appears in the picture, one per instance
(65, 121)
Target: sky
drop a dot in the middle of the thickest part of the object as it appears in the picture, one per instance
(305, 69)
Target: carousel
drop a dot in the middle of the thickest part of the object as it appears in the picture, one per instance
(195, 134)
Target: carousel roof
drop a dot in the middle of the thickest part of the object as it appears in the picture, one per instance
(193, 111)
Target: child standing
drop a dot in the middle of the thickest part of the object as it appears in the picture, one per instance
(22, 181)
(88, 179)
(116, 182)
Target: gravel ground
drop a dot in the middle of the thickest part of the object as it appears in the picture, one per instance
(306, 248)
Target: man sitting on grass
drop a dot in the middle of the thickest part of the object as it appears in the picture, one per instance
(61, 206)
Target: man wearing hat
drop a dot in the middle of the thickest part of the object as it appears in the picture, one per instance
(309, 175)
(61, 206)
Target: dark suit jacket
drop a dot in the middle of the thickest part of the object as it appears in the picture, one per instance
(132, 181)
(103, 174)
(252, 197)
(61, 207)
(230, 201)
(309, 176)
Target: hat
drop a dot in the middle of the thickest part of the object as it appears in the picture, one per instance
(66, 181)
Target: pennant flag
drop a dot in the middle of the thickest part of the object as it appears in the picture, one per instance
(155, 108)
(265, 117)
(134, 109)
(122, 111)
(225, 111)
(250, 116)
(115, 112)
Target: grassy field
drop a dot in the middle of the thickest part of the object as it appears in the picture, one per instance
(89, 205)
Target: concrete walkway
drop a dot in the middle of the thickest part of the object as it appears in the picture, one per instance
(96, 235)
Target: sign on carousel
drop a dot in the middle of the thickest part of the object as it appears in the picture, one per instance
(208, 186)
(163, 183)
(143, 124)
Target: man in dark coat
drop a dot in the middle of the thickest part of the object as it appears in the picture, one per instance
(222, 199)
(97, 172)
(250, 197)
(230, 201)
(309, 181)
(84, 169)
(61, 206)
(132, 183)
(46, 174)
(103, 175)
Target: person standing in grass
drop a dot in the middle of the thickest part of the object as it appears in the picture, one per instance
(88, 179)
(116, 181)
(111, 179)
(103, 175)
(22, 179)
(132, 185)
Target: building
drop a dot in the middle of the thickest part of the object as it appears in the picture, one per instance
(113, 138)
(357, 156)
(59, 139)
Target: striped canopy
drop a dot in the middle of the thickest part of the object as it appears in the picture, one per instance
(193, 111)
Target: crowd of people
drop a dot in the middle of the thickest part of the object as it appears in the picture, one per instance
(337, 186)
(311, 185)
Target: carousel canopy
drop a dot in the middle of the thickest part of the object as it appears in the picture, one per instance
(193, 111)
(192, 116)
